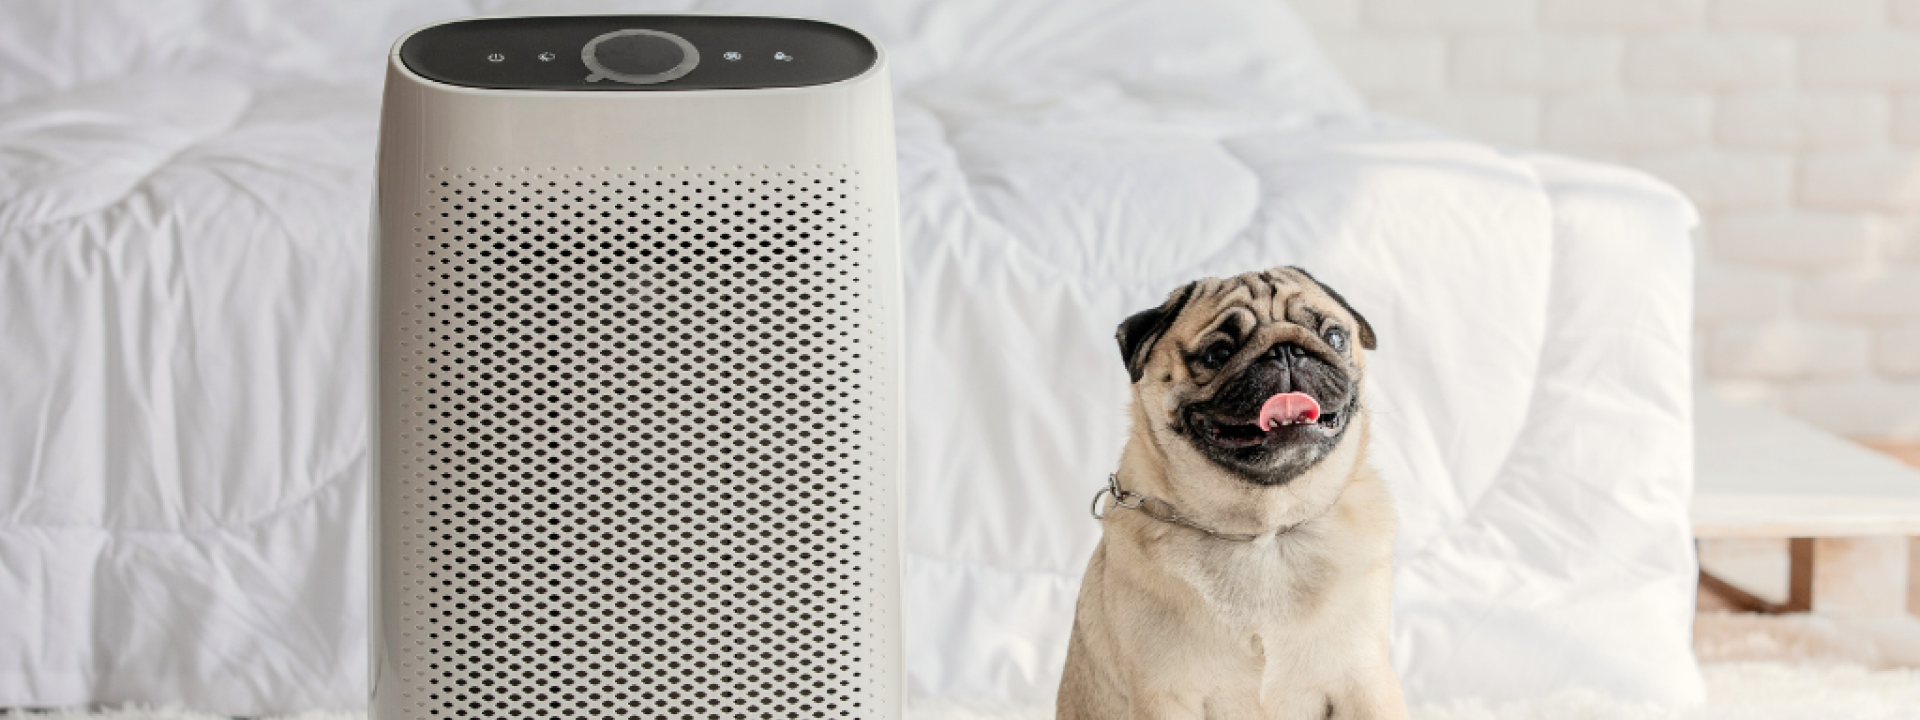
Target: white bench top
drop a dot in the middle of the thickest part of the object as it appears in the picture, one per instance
(1762, 474)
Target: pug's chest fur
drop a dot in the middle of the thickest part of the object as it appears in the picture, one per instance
(1283, 627)
(1252, 586)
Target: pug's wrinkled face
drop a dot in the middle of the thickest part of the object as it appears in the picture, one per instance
(1259, 373)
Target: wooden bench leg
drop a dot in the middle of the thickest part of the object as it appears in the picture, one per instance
(1913, 575)
(1851, 575)
(1863, 588)
(1868, 575)
(1731, 594)
(1799, 575)
(1799, 586)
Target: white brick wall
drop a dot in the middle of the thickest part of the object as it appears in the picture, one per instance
(1620, 15)
(1742, 294)
(1691, 62)
(1623, 122)
(1868, 180)
(1794, 125)
(1724, 181)
(1798, 121)
(1530, 63)
(1906, 118)
(1779, 240)
(1875, 60)
(1449, 15)
(1788, 351)
(1897, 352)
(1797, 16)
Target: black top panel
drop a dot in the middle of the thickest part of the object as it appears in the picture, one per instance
(637, 52)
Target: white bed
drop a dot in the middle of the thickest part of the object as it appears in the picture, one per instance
(183, 197)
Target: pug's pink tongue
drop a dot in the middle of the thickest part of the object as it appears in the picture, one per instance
(1288, 409)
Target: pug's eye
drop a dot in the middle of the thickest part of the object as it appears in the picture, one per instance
(1216, 355)
(1337, 339)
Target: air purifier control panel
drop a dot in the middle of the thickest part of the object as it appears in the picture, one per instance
(638, 52)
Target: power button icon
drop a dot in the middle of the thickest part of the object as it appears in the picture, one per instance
(496, 57)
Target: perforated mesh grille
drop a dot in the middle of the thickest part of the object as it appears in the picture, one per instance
(639, 471)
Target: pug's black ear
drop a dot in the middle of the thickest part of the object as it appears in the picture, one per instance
(1366, 330)
(1138, 333)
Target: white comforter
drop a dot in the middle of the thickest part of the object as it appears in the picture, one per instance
(183, 194)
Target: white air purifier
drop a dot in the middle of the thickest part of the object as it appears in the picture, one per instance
(638, 439)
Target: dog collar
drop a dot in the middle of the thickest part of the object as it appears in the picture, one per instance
(1163, 511)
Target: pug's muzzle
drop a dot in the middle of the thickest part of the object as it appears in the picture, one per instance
(1276, 415)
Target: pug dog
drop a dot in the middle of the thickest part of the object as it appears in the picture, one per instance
(1245, 559)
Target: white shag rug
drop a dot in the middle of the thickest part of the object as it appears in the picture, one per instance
(1794, 667)
(1735, 691)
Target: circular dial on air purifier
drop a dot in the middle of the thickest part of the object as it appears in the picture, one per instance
(638, 57)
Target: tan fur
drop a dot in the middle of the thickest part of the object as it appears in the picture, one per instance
(1172, 623)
